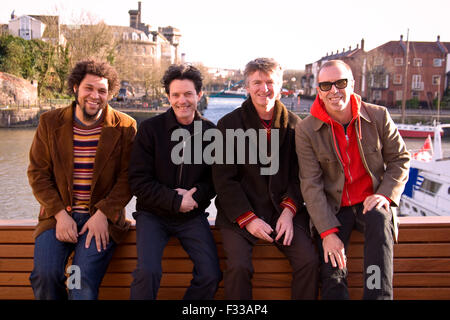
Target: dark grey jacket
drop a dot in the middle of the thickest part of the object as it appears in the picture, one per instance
(241, 187)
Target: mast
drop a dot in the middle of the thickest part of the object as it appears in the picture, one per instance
(405, 77)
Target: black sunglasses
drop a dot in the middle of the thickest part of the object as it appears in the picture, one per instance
(339, 84)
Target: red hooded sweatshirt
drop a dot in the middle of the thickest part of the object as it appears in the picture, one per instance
(358, 184)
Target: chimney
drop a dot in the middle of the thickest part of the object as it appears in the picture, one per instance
(438, 38)
(349, 48)
(362, 44)
(401, 38)
(357, 46)
(139, 14)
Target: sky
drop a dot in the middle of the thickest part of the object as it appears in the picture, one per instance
(228, 34)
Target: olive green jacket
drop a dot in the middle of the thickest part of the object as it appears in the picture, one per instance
(383, 153)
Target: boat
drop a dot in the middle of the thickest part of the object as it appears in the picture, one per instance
(417, 130)
(427, 192)
(232, 91)
(240, 93)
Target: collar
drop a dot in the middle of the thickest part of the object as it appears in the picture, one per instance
(109, 118)
(319, 112)
(172, 123)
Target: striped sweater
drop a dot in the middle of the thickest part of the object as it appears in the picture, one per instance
(85, 142)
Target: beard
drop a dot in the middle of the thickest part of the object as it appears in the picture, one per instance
(87, 116)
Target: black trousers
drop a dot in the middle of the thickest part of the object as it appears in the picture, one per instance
(301, 254)
(377, 227)
(152, 235)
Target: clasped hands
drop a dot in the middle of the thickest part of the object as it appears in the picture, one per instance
(188, 203)
(262, 230)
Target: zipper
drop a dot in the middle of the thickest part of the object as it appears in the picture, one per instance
(181, 165)
(348, 166)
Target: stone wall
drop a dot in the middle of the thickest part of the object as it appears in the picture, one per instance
(15, 90)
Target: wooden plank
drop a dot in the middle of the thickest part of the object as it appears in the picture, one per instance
(10, 265)
(26, 293)
(407, 280)
(24, 236)
(16, 293)
(410, 233)
(407, 265)
(406, 250)
(178, 293)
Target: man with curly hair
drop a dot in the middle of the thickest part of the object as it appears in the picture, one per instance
(78, 173)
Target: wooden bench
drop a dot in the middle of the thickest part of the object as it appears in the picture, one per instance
(421, 264)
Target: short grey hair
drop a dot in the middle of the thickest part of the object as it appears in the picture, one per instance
(333, 63)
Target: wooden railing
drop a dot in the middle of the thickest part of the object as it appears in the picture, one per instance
(421, 264)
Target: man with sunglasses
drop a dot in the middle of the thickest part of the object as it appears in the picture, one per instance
(353, 168)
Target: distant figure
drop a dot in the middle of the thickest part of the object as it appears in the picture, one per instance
(256, 204)
(172, 196)
(298, 99)
(79, 174)
(353, 169)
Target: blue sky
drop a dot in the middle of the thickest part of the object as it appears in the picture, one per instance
(232, 32)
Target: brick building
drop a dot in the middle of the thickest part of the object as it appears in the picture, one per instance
(380, 73)
(426, 71)
(353, 57)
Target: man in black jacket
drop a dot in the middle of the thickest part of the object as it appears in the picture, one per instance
(172, 190)
(261, 199)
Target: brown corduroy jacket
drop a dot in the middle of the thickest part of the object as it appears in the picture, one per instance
(50, 172)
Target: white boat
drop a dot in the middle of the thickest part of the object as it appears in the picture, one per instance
(427, 192)
(417, 130)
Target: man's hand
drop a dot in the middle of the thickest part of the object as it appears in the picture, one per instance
(66, 227)
(375, 200)
(188, 203)
(333, 248)
(285, 226)
(260, 229)
(181, 191)
(98, 228)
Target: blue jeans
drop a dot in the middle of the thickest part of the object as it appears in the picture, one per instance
(152, 235)
(50, 259)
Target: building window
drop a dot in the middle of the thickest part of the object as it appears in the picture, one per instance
(436, 79)
(397, 79)
(378, 61)
(398, 95)
(415, 94)
(437, 62)
(417, 62)
(417, 83)
(398, 61)
(376, 95)
(430, 187)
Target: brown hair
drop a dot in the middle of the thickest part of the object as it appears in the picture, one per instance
(266, 65)
(98, 68)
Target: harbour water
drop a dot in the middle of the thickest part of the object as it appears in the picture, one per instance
(16, 198)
